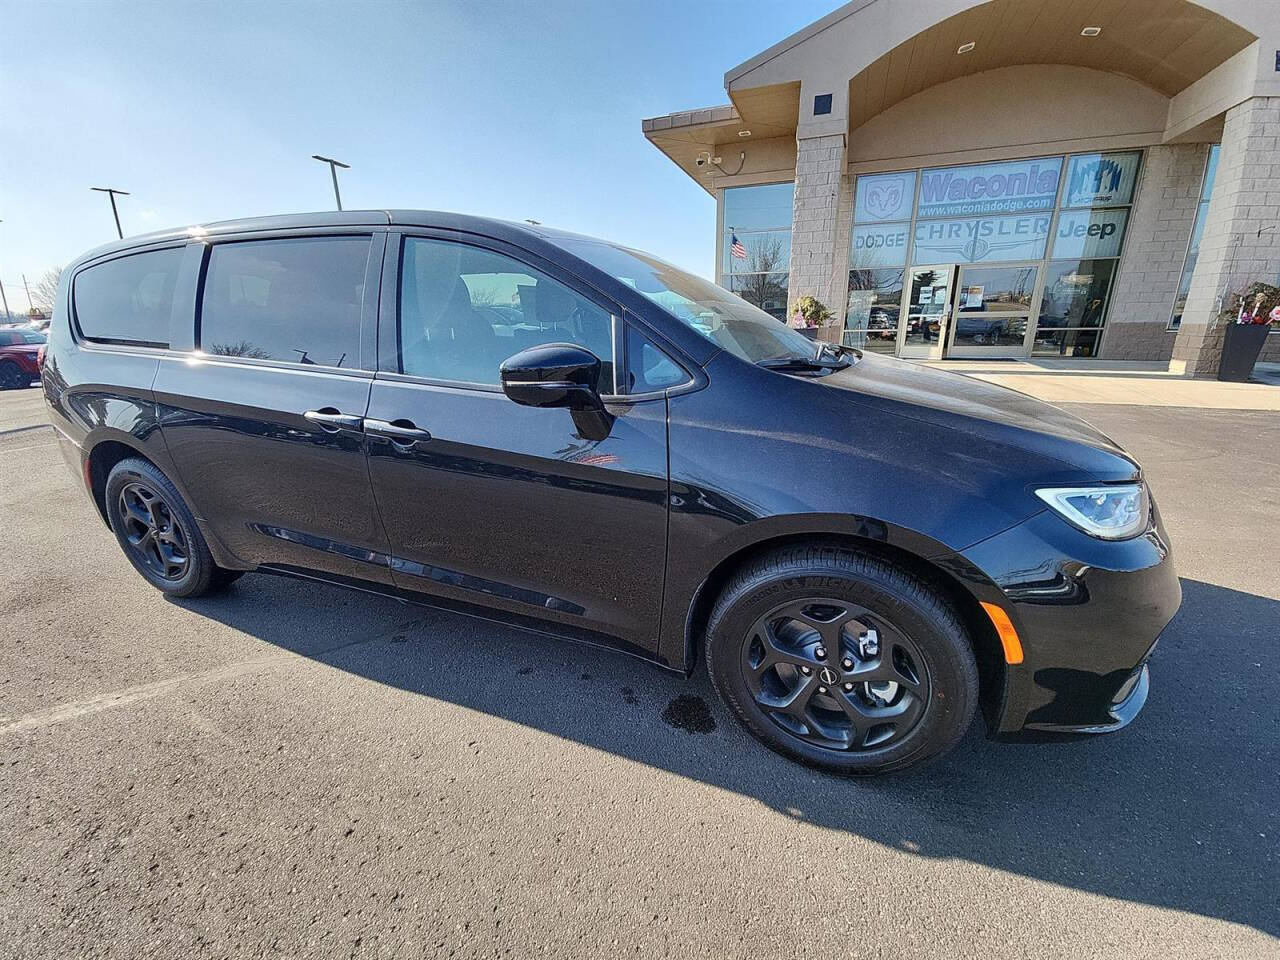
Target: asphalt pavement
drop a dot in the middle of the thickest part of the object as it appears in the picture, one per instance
(293, 769)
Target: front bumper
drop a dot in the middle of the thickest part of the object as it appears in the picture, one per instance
(1088, 612)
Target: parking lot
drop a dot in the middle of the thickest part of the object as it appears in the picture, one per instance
(295, 769)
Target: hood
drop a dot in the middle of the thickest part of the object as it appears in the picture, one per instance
(952, 399)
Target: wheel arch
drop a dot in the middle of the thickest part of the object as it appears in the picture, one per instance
(101, 458)
(944, 576)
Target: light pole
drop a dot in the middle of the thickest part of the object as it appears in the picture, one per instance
(5, 300)
(111, 192)
(333, 172)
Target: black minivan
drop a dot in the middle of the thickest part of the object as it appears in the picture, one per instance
(580, 439)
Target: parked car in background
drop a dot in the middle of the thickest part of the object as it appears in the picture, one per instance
(863, 552)
(19, 350)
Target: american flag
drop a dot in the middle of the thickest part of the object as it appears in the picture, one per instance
(736, 249)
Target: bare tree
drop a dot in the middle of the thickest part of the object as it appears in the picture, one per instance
(45, 291)
(241, 348)
(761, 284)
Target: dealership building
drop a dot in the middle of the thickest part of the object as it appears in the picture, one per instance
(956, 178)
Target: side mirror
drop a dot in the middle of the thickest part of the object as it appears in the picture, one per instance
(553, 375)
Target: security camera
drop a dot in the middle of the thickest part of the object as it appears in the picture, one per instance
(702, 159)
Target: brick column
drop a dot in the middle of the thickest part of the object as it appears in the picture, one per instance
(1245, 199)
(1155, 248)
(816, 250)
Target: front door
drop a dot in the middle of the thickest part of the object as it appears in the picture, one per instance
(265, 427)
(992, 315)
(926, 311)
(491, 503)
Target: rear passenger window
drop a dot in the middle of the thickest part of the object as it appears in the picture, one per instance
(463, 310)
(130, 299)
(295, 300)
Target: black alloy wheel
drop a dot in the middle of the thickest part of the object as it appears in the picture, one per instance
(842, 659)
(834, 675)
(151, 532)
(158, 532)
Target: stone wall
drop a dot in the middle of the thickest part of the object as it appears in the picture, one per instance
(1155, 247)
(1241, 241)
(820, 163)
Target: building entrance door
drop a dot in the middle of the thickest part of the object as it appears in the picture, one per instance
(926, 311)
(992, 315)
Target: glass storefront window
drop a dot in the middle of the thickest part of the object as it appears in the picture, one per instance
(997, 289)
(883, 197)
(879, 245)
(766, 207)
(1066, 343)
(1101, 179)
(1086, 234)
(1075, 293)
(766, 252)
(768, 291)
(1002, 187)
(989, 239)
(989, 331)
(871, 316)
(1031, 243)
(756, 244)
(1193, 246)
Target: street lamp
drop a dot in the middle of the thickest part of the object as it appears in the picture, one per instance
(111, 192)
(333, 172)
(7, 315)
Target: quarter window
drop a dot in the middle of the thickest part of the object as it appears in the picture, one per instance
(293, 300)
(648, 368)
(129, 299)
(464, 309)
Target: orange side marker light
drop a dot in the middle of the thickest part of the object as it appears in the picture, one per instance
(1008, 635)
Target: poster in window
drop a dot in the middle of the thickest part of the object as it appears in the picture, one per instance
(1101, 179)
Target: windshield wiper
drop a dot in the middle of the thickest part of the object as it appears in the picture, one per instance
(803, 363)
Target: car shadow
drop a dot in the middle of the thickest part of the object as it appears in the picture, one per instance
(1178, 811)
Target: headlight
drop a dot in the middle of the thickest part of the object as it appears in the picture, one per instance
(1109, 513)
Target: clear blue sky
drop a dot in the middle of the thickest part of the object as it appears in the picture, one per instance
(208, 111)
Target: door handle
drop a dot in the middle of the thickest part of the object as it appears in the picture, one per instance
(331, 421)
(402, 432)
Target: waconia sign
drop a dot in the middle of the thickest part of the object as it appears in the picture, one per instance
(989, 188)
(993, 212)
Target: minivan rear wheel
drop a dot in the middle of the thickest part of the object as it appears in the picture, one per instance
(158, 533)
(842, 660)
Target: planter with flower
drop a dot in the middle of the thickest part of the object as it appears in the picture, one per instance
(1247, 321)
(812, 318)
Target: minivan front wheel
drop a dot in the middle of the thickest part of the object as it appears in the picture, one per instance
(842, 660)
(157, 531)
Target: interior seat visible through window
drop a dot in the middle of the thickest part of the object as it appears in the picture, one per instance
(464, 309)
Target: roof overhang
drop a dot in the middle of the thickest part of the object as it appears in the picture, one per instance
(873, 54)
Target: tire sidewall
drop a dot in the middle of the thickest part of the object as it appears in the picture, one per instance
(199, 563)
(947, 660)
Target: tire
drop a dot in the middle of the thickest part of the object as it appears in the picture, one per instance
(899, 646)
(155, 549)
(12, 377)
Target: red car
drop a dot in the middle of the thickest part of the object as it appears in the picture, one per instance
(19, 366)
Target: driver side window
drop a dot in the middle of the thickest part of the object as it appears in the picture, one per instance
(463, 310)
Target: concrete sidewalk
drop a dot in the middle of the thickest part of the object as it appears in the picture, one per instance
(1065, 380)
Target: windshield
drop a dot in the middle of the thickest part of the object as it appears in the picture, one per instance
(724, 319)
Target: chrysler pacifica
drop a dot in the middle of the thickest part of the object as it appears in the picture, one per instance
(590, 443)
